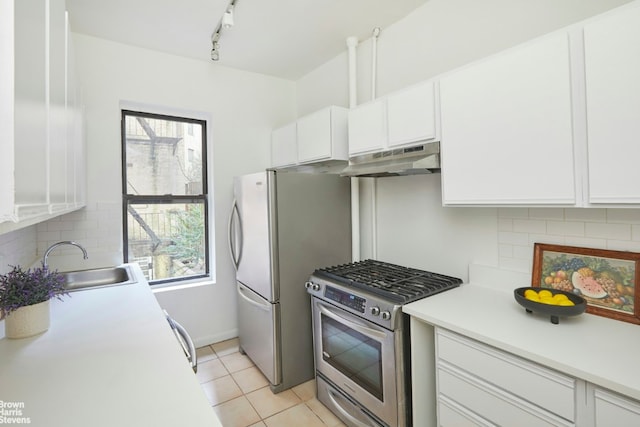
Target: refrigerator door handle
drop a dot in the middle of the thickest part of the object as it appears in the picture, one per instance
(235, 212)
(242, 294)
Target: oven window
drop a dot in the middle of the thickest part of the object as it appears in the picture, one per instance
(355, 355)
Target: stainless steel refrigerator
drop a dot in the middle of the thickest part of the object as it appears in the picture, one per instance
(283, 226)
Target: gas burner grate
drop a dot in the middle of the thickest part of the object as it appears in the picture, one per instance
(394, 282)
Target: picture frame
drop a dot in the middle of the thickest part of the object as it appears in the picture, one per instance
(606, 279)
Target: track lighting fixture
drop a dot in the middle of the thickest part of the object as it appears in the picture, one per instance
(227, 18)
(226, 22)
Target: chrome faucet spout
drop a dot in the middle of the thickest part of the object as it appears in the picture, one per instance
(55, 245)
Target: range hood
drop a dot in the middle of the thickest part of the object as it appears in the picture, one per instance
(416, 160)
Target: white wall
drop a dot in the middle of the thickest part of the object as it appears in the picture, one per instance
(243, 108)
(440, 36)
(408, 224)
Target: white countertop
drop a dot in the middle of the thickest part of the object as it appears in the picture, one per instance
(594, 348)
(110, 359)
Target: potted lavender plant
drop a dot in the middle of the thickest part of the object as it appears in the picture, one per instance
(24, 300)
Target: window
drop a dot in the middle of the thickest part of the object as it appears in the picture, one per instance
(164, 195)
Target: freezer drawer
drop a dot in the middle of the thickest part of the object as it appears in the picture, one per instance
(258, 324)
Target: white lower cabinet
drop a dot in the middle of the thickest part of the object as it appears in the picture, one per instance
(486, 386)
(613, 409)
(480, 385)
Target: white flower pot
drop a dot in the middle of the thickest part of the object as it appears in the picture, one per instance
(27, 321)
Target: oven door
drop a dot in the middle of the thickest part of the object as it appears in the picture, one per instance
(358, 357)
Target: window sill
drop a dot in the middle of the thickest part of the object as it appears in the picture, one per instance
(170, 287)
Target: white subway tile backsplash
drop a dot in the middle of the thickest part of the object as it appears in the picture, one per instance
(529, 226)
(519, 229)
(505, 251)
(631, 216)
(513, 213)
(505, 224)
(580, 214)
(513, 238)
(608, 231)
(523, 252)
(585, 242)
(59, 225)
(546, 213)
(18, 248)
(566, 228)
(514, 264)
(546, 238)
(623, 245)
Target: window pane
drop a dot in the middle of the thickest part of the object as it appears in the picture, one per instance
(163, 156)
(167, 239)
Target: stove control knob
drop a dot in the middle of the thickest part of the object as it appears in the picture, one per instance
(385, 315)
(375, 310)
(312, 286)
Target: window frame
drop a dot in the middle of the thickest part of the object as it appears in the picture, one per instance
(203, 198)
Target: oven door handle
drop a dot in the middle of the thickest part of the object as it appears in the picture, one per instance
(357, 325)
(344, 413)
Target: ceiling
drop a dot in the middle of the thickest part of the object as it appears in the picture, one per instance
(282, 38)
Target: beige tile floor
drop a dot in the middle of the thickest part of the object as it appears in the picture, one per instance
(241, 397)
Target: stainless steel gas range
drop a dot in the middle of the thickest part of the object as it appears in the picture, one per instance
(361, 338)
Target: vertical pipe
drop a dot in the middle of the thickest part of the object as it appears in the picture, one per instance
(374, 186)
(374, 60)
(352, 43)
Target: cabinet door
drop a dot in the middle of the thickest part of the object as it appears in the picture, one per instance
(612, 409)
(314, 136)
(612, 63)
(367, 128)
(76, 143)
(507, 128)
(57, 122)
(6, 110)
(283, 146)
(30, 138)
(411, 115)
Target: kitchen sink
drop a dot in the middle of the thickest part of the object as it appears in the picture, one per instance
(99, 277)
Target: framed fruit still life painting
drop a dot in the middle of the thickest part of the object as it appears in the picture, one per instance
(605, 279)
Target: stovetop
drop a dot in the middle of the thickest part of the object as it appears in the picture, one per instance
(400, 285)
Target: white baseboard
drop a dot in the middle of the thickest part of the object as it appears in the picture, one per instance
(216, 338)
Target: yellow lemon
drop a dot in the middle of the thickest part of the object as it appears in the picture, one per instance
(533, 297)
(530, 293)
(547, 300)
(544, 293)
(560, 297)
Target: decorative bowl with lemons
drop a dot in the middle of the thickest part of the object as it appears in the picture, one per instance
(554, 302)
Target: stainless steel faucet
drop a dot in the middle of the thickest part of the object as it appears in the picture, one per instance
(55, 245)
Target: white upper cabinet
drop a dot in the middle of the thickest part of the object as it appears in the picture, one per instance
(30, 104)
(323, 135)
(411, 115)
(57, 123)
(318, 138)
(612, 71)
(43, 160)
(368, 127)
(400, 119)
(507, 128)
(284, 149)
(6, 109)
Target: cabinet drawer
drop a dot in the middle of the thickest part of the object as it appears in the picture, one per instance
(490, 402)
(452, 414)
(541, 386)
(614, 409)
